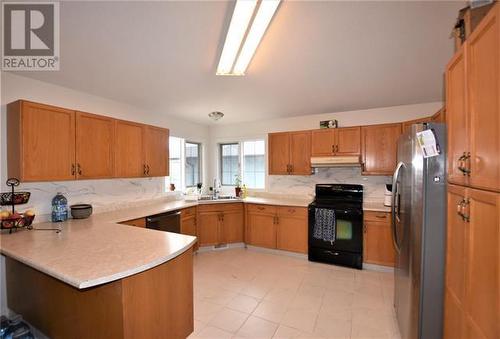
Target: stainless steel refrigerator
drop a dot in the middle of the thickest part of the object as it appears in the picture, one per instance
(419, 233)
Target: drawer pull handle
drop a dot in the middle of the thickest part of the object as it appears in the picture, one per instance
(381, 216)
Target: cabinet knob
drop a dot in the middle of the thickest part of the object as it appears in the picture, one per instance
(79, 169)
(73, 169)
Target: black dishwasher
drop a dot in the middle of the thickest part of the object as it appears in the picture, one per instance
(167, 222)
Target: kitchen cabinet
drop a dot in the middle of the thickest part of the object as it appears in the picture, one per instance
(281, 227)
(336, 141)
(41, 142)
(292, 229)
(95, 146)
(439, 116)
(188, 222)
(220, 224)
(156, 151)
(473, 108)
(379, 148)
(377, 239)
(290, 153)
(407, 124)
(473, 264)
(129, 160)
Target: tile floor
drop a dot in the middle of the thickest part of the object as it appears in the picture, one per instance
(246, 293)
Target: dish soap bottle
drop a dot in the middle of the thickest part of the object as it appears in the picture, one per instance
(59, 208)
(244, 192)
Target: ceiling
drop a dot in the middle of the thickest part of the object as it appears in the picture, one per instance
(316, 57)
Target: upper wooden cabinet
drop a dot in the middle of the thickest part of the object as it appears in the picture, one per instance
(290, 153)
(41, 142)
(379, 148)
(336, 141)
(129, 159)
(95, 144)
(156, 151)
(407, 124)
(473, 108)
(48, 143)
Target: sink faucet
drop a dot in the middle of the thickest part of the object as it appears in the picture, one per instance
(216, 189)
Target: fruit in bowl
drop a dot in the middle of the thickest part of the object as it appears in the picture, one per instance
(4, 214)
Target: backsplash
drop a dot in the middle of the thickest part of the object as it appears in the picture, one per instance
(104, 195)
(374, 186)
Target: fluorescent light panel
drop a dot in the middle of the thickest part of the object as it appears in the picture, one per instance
(242, 14)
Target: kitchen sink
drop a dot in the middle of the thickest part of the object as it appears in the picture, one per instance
(219, 198)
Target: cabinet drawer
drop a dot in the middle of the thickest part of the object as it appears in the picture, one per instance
(188, 212)
(218, 207)
(288, 211)
(261, 209)
(377, 216)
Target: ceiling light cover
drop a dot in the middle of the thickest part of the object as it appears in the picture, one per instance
(262, 19)
(242, 14)
(215, 115)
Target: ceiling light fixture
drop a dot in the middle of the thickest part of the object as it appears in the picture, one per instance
(232, 62)
(215, 115)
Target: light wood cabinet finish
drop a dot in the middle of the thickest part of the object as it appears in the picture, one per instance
(261, 230)
(95, 143)
(439, 116)
(379, 148)
(377, 239)
(41, 142)
(292, 229)
(336, 141)
(279, 153)
(457, 117)
(407, 124)
(290, 153)
(133, 307)
(129, 160)
(483, 80)
(473, 264)
(220, 224)
(156, 151)
(139, 222)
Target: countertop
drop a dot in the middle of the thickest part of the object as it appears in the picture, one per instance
(98, 250)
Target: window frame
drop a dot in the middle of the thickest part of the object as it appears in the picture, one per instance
(220, 160)
(200, 166)
(242, 160)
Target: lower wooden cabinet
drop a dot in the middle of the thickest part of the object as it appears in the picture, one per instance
(139, 222)
(220, 224)
(284, 228)
(473, 264)
(188, 222)
(377, 239)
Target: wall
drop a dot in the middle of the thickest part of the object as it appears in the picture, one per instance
(300, 185)
(100, 193)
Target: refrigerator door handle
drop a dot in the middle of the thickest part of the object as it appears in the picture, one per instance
(395, 207)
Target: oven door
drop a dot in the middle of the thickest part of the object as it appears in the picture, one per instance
(348, 229)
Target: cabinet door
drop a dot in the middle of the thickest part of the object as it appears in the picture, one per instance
(129, 161)
(292, 229)
(208, 228)
(456, 244)
(279, 153)
(232, 227)
(439, 116)
(261, 230)
(457, 118)
(483, 262)
(377, 243)
(94, 146)
(48, 143)
(454, 317)
(483, 78)
(156, 151)
(188, 226)
(379, 148)
(348, 141)
(300, 153)
(322, 142)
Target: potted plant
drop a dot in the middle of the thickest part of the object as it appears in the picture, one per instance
(237, 184)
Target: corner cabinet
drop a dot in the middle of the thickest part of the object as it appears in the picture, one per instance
(472, 288)
(336, 141)
(220, 224)
(41, 142)
(379, 148)
(290, 153)
(48, 143)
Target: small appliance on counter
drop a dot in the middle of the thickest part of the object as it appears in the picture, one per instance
(388, 195)
(59, 208)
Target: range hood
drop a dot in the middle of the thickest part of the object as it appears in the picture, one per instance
(335, 161)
